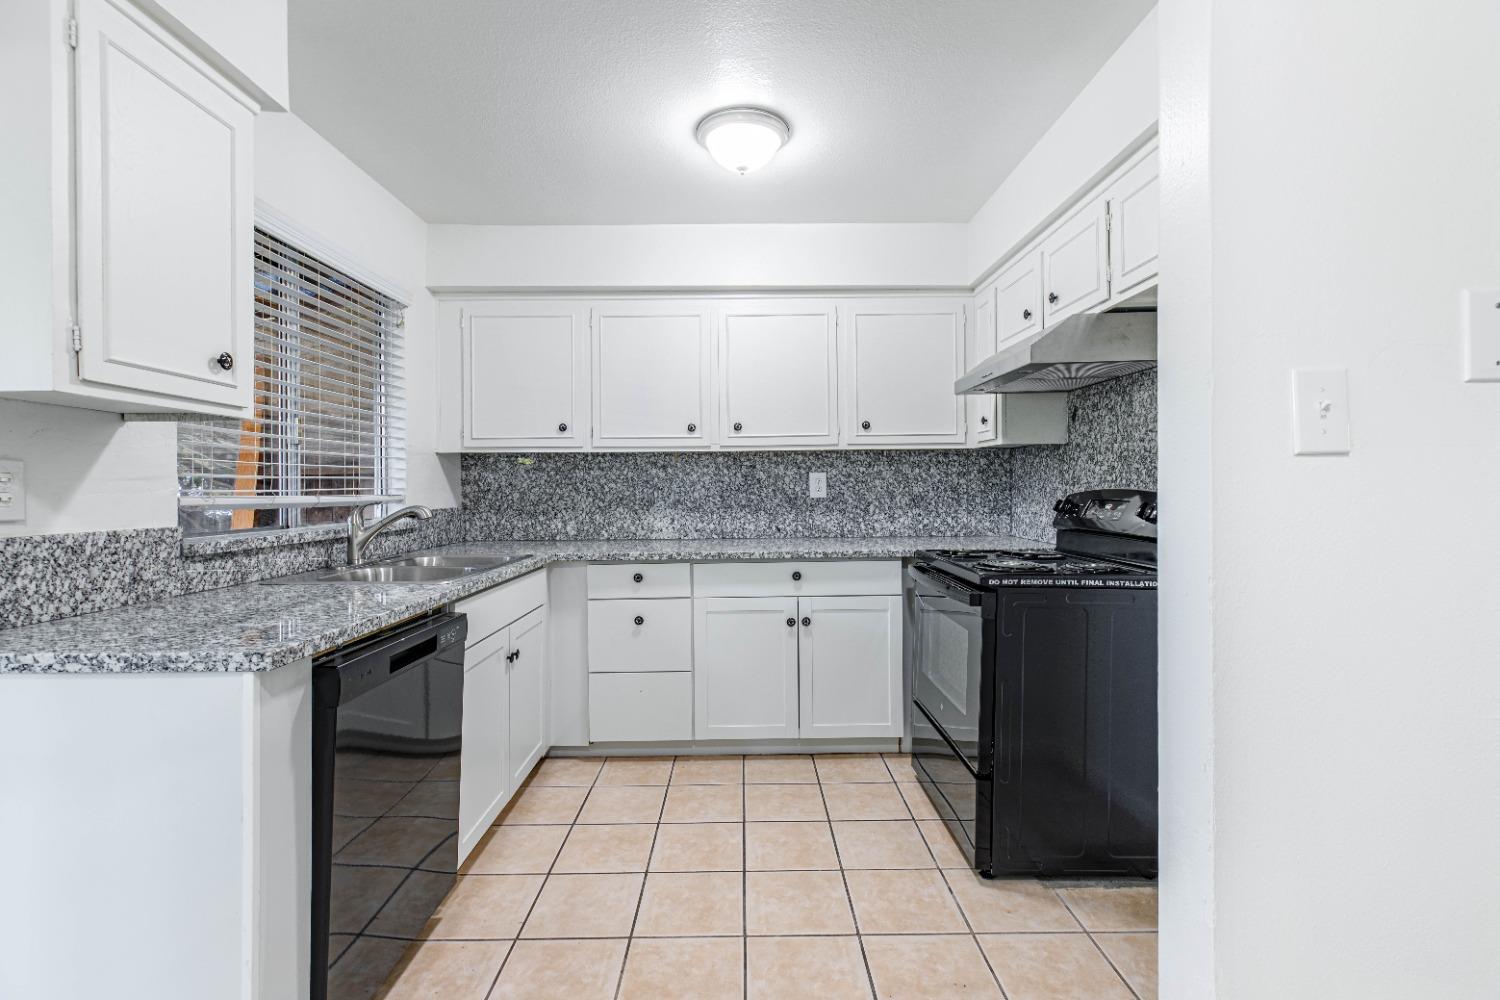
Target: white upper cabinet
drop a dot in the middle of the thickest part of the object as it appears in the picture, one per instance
(164, 192)
(651, 374)
(1075, 264)
(1018, 300)
(524, 374)
(1135, 220)
(981, 346)
(903, 356)
(778, 373)
(157, 152)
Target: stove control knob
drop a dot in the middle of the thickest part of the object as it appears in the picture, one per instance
(1147, 512)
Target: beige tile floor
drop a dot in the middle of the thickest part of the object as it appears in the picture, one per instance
(760, 878)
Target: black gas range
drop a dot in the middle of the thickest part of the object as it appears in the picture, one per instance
(1034, 693)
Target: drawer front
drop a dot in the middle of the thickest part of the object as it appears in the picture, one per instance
(608, 581)
(492, 610)
(639, 706)
(663, 640)
(840, 578)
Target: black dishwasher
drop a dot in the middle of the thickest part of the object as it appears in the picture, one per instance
(387, 721)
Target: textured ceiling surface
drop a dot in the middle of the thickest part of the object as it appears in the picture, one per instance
(582, 111)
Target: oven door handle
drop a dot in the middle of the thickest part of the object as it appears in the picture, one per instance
(942, 587)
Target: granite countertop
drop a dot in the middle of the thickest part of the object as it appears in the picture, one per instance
(253, 627)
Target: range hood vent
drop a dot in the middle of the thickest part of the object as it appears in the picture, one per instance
(1081, 350)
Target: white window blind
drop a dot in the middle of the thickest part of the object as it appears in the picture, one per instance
(329, 419)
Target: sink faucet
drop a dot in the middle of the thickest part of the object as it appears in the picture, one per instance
(362, 533)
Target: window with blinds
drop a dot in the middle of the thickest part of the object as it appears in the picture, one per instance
(328, 431)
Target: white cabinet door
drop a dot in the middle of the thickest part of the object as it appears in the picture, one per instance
(525, 375)
(484, 779)
(1075, 264)
(850, 666)
(165, 204)
(640, 707)
(651, 375)
(981, 346)
(745, 668)
(778, 373)
(1018, 300)
(528, 696)
(1135, 221)
(903, 357)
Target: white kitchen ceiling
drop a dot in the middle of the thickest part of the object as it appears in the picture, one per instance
(582, 111)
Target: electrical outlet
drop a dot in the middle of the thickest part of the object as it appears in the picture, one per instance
(12, 490)
(817, 485)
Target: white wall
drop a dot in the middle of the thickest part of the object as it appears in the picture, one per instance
(822, 255)
(1109, 119)
(245, 39)
(301, 176)
(1331, 174)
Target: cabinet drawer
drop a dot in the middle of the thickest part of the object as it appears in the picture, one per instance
(640, 707)
(663, 640)
(611, 580)
(492, 610)
(842, 578)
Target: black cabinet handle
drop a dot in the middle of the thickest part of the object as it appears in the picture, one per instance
(796, 574)
(640, 620)
(638, 577)
(692, 428)
(562, 428)
(225, 361)
(738, 426)
(806, 621)
(791, 623)
(1025, 313)
(516, 654)
(1052, 297)
(864, 425)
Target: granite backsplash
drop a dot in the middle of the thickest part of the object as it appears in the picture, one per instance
(1111, 443)
(722, 494)
(45, 577)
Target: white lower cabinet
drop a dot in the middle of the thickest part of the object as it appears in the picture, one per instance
(745, 668)
(849, 661)
(527, 695)
(505, 701)
(640, 707)
(484, 777)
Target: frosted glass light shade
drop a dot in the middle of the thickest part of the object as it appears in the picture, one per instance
(743, 139)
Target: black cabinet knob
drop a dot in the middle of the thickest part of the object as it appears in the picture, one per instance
(796, 574)
(1025, 313)
(562, 428)
(806, 621)
(639, 620)
(984, 420)
(738, 426)
(791, 623)
(638, 577)
(1052, 297)
(516, 654)
(864, 425)
(225, 361)
(692, 428)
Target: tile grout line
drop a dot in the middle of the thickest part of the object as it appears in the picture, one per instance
(547, 875)
(744, 882)
(1100, 948)
(838, 857)
(640, 898)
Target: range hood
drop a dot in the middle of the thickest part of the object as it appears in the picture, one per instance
(1079, 351)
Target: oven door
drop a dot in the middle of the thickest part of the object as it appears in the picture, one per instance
(951, 622)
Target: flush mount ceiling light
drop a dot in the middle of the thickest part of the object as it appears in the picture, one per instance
(743, 139)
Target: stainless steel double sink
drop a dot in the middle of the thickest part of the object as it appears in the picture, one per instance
(419, 568)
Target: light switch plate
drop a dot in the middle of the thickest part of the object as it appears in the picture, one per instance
(817, 485)
(1320, 411)
(12, 490)
(1481, 335)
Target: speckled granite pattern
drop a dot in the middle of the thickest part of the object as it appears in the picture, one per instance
(871, 494)
(256, 628)
(47, 577)
(1111, 443)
